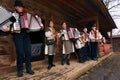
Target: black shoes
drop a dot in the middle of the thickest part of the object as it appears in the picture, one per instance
(95, 59)
(62, 62)
(68, 62)
(50, 61)
(20, 73)
(49, 67)
(81, 61)
(87, 59)
(53, 65)
(30, 72)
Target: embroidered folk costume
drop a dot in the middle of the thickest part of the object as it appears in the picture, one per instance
(79, 44)
(22, 41)
(68, 46)
(94, 38)
(86, 40)
(50, 34)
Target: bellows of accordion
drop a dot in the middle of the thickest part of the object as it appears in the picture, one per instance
(5, 17)
(34, 23)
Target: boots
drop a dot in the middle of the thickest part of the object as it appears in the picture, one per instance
(50, 61)
(53, 65)
(63, 61)
(68, 59)
(31, 72)
(68, 62)
(29, 69)
(20, 73)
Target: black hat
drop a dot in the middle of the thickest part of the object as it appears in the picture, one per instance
(18, 3)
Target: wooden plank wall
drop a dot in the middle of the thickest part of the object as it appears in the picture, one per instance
(7, 46)
(116, 44)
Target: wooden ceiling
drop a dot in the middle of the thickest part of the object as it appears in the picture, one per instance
(73, 11)
(76, 10)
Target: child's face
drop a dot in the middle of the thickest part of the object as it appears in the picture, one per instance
(85, 30)
(51, 24)
(64, 25)
(94, 28)
(19, 9)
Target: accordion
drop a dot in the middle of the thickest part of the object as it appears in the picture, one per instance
(70, 33)
(73, 33)
(16, 25)
(31, 22)
(6, 17)
(35, 23)
(76, 33)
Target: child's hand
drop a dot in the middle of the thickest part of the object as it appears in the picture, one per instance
(5, 28)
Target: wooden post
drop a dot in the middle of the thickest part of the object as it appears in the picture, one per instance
(111, 37)
(97, 23)
(97, 26)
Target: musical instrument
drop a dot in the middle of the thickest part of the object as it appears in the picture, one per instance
(16, 25)
(79, 43)
(65, 35)
(31, 22)
(71, 33)
(35, 23)
(76, 33)
(6, 17)
(82, 41)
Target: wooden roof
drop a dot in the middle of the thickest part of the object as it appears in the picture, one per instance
(81, 13)
(76, 10)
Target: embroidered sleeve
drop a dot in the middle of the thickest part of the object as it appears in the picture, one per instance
(91, 37)
(99, 35)
(48, 33)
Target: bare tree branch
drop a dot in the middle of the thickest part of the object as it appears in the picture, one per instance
(114, 6)
(108, 2)
(113, 11)
(118, 32)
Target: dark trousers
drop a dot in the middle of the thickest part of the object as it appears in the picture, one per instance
(87, 50)
(50, 60)
(81, 54)
(94, 49)
(23, 50)
(66, 57)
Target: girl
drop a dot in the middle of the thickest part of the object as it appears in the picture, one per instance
(67, 44)
(94, 37)
(50, 34)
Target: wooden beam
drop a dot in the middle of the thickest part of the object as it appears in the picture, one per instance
(111, 37)
(97, 23)
(93, 18)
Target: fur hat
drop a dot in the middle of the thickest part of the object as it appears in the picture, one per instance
(18, 3)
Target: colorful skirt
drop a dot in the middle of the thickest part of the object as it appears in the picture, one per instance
(68, 47)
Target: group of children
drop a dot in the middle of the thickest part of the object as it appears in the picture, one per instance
(84, 43)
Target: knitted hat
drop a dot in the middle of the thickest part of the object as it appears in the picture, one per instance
(18, 3)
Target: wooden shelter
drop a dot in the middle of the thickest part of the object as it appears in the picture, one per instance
(77, 13)
(116, 43)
